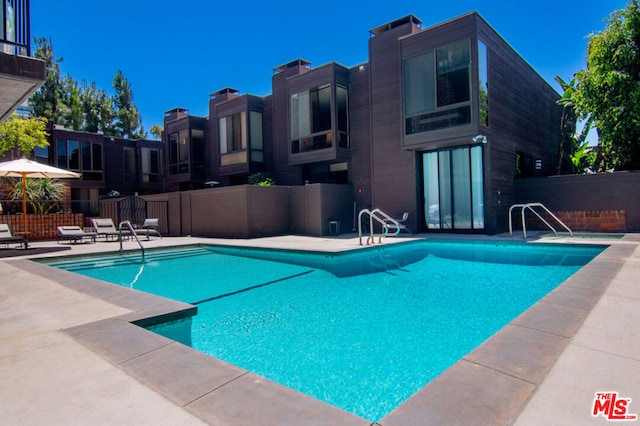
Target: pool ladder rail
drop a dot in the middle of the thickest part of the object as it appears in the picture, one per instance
(530, 207)
(386, 222)
(129, 228)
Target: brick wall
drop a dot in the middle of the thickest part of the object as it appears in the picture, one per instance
(595, 220)
(581, 220)
(42, 227)
(592, 193)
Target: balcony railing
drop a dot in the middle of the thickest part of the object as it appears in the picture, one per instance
(15, 27)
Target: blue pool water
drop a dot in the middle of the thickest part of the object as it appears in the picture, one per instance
(362, 330)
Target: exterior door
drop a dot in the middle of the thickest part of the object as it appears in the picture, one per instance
(453, 188)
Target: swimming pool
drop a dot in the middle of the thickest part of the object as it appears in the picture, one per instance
(362, 330)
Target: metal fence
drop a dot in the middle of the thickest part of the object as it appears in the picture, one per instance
(43, 217)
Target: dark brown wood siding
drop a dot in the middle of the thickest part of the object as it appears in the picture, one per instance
(394, 188)
(360, 135)
(285, 174)
(523, 117)
(196, 176)
(267, 134)
(229, 105)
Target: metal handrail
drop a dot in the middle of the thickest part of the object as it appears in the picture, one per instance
(385, 221)
(389, 222)
(530, 206)
(133, 233)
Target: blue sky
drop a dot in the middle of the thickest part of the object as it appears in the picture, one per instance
(175, 54)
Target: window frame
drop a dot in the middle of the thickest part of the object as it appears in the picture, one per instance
(179, 152)
(436, 115)
(130, 176)
(150, 176)
(232, 133)
(65, 160)
(315, 132)
(94, 171)
(483, 76)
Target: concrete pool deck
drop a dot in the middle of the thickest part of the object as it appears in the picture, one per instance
(71, 354)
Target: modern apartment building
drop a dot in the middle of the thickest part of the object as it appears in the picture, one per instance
(106, 163)
(438, 123)
(20, 75)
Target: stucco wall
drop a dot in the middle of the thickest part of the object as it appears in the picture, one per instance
(248, 211)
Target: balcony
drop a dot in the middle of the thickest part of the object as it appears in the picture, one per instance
(20, 75)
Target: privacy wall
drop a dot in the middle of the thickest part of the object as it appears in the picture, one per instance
(249, 211)
(592, 194)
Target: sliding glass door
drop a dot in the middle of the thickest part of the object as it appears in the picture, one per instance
(453, 188)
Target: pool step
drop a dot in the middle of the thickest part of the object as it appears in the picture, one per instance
(127, 258)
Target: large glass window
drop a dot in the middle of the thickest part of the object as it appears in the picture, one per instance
(483, 84)
(74, 155)
(477, 187)
(311, 120)
(82, 156)
(524, 165)
(437, 89)
(42, 154)
(129, 165)
(61, 149)
(453, 83)
(255, 136)
(150, 165)
(68, 154)
(453, 188)
(342, 107)
(419, 84)
(233, 136)
(91, 161)
(179, 152)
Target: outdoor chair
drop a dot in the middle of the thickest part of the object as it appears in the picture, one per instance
(401, 224)
(6, 238)
(73, 234)
(104, 227)
(148, 228)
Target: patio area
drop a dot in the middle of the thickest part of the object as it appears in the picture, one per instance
(70, 355)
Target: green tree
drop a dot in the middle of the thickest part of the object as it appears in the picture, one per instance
(71, 107)
(156, 131)
(574, 146)
(91, 107)
(46, 101)
(97, 107)
(127, 115)
(140, 133)
(84, 106)
(609, 89)
(20, 136)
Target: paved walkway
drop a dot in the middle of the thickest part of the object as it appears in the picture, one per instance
(69, 355)
(603, 356)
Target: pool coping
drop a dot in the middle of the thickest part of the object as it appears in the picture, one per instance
(491, 384)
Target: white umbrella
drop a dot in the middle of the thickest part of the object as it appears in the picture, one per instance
(24, 168)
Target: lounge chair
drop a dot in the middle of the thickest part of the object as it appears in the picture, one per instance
(105, 228)
(74, 234)
(6, 238)
(148, 228)
(401, 224)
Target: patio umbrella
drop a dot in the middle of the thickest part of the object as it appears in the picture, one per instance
(24, 168)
